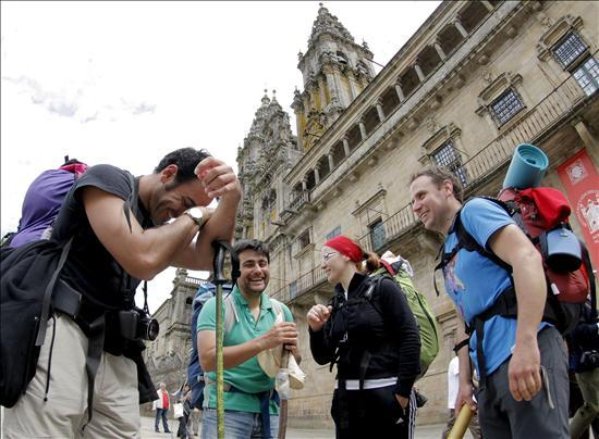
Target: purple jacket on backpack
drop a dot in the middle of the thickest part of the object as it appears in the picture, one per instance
(41, 204)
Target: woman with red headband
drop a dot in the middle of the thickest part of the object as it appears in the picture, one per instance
(369, 331)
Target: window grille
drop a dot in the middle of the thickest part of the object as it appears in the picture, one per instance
(377, 235)
(447, 156)
(506, 106)
(587, 76)
(335, 232)
(569, 49)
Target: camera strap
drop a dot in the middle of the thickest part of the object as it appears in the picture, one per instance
(145, 290)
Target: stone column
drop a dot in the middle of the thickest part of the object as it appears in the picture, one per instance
(316, 175)
(331, 163)
(399, 92)
(352, 86)
(419, 72)
(460, 28)
(487, 5)
(362, 130)
(587, 137)
(379, 110)
(440, 51)
(346, 147)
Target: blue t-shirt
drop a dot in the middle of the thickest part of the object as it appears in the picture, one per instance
(474, 282)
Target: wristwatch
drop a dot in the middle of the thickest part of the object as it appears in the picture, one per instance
(197, 215)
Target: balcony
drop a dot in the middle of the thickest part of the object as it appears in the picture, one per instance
(548, 114)
(303, 284)
(301, 199)
(556, 106)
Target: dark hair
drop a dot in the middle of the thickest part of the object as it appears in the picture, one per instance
(438, 175)
(373, 262)
(186, 160)
(71, 162)
(243, 245)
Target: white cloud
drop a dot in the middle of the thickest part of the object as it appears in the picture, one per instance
(127, 82)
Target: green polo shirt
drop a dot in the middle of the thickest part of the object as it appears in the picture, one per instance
(247, 376)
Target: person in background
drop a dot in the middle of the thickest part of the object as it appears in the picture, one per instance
(162, 405)
(453, 382)
(583, 345)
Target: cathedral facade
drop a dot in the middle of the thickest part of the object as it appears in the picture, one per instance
(475, 80)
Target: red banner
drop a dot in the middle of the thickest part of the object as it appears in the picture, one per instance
(581, 180)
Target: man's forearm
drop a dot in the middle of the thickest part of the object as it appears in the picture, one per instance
(531, 295)
(465, 370)
(234, 355)
(221, 225)
(157, 247)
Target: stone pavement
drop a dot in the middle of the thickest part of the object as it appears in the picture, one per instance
(422, 432)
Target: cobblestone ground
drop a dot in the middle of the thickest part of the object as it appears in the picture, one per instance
(147, 431)
(422, 432)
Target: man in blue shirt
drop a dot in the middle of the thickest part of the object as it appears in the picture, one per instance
(524, 382)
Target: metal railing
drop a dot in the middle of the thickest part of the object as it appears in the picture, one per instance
(302, 198)
(537, 120)
(499, 151)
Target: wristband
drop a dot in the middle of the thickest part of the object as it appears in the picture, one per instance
(460, 345)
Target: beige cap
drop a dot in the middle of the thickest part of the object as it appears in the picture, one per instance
(270, 362)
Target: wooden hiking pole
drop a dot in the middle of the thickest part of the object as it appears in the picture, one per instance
(461, 423)
(284, 390)
(219, 280)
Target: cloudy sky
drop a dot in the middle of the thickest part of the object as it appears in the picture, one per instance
(127, 82)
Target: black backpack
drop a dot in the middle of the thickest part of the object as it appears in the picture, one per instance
(29, 276)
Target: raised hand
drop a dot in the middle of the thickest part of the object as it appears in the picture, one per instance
(318, 316)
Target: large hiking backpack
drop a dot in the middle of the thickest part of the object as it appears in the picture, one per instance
(539, 212)
(29, 277)
(195, 374)
(425, 318)
(42, 202)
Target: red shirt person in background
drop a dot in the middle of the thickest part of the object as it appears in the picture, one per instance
(162, 404)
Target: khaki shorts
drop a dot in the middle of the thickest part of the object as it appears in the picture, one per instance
(64, 414)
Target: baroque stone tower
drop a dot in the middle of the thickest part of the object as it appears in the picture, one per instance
(268, 152)
(335, 70)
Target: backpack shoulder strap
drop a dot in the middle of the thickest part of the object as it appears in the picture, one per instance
(586, 260)
(277, 306)
(467, 241)
(231, 316)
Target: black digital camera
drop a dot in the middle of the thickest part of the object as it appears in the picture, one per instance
(136, 324)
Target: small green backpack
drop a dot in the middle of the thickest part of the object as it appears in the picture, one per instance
(425, 318)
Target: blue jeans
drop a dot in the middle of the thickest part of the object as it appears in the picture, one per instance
(161, 413)
(238, 425)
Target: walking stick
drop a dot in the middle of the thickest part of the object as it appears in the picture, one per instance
(219, 280)
(284, 390)
(461, 423)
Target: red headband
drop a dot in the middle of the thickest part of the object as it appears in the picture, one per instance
(346, 247)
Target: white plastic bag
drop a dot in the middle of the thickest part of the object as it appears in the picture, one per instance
(177, 410)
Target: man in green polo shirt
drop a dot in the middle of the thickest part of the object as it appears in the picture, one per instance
(251, 404)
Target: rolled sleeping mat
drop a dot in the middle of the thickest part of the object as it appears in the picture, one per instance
(527, 167)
